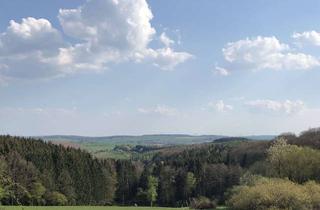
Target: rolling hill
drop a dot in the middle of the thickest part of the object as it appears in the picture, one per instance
(160, 139)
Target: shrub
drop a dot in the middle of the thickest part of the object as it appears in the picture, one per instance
(267, 194)
(202, 203)
(313, 190)
(56, 199)
(299, 164)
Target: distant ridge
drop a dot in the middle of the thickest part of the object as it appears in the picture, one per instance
(150, 138)
(260, 137)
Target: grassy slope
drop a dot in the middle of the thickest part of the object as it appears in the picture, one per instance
(104, 150)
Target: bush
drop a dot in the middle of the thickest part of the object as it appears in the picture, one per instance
(275, 194)
(313, 190)
(56, 199)
(16, 194)
(202, 203)
(299, 164)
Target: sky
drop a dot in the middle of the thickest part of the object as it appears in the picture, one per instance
(118, 67)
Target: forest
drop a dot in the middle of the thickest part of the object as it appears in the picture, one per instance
(237, 172)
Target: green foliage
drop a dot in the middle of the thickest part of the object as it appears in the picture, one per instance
(274, 193)
(152, 189)
(127, 181)
(167, 187)
(31, 168)
(313, 191)
(299, 164)
(65, 185)
(110, 174)
(56, 199)
(142, 197)
(202, 203)
(186, 184)
(33, 172)
(216, 179)
(3, 169)
(37, 191)
(16, 194)
(190, 182)
(2, 193)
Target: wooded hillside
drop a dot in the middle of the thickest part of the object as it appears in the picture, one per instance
(33, 172)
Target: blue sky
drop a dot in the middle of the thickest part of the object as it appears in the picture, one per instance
(111, 67)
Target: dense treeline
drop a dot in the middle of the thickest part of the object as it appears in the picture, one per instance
(289, 180)
(38, 173)
(33, 172)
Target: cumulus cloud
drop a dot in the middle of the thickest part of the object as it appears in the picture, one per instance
(28, 36)
(103, 32)
(220, 106)
(30, 49)
(166, 40)
(159, 109)
(114, 31)
(287, 106)
(167, 58)
(107, 27)
(221, 71)
(307, 37)
(267, 53)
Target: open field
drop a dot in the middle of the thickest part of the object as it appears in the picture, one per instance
(104, 147)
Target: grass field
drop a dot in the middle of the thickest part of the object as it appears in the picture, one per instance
(83, 208)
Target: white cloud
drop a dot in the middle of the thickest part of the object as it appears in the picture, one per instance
(30, 49)
(220, 106)
(307, 37)
(221, 71)
(266, 53)
(119, 28)
(287, 106)
(167, 58)
(166, 40)
(115, 31)
(103, 32)
(29, 36)
(159, 109)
